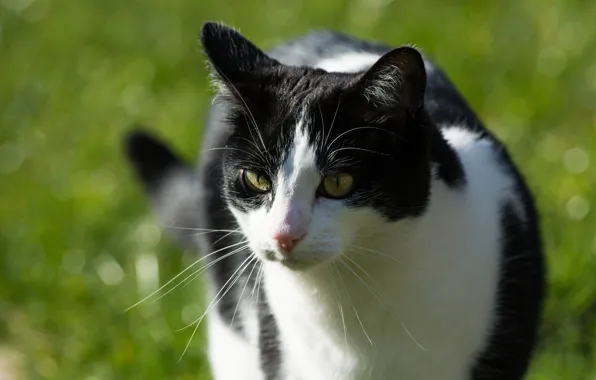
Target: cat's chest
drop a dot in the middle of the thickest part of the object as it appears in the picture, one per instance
(414, 320)
(311, 354)
(332, 336)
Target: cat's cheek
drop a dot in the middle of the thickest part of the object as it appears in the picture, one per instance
(249, 223)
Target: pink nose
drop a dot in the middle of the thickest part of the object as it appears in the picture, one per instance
(287, 242)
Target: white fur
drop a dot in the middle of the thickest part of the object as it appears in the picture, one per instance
(348, 63)
(230, 355)
(436, 275)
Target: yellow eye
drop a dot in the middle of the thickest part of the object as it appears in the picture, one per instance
(337, 185)
(257, 182)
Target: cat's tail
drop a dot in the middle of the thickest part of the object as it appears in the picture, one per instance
(168, 181)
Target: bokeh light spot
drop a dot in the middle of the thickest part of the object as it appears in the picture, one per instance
(576, 160)
(147, 270)
(578, 207)
(109, 271)
(147, 235)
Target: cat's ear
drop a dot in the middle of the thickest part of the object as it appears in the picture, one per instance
(396, 80)
(233, 59)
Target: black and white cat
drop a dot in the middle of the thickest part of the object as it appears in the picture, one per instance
(359, 220)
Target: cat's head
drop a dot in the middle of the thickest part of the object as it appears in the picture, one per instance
(317, 160)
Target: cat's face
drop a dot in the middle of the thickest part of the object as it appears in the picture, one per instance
(316, 161)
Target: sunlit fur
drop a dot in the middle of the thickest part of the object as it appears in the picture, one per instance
(430, 269)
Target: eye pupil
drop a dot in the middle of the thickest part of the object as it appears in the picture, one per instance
(255, 181)
(336, 186)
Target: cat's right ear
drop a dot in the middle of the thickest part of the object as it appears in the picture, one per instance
(234, 60)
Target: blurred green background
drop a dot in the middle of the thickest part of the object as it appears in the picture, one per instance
(77, 240)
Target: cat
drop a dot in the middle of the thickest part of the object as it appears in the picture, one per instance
(358, 219)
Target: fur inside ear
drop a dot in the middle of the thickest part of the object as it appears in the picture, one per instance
(397, 79)
(233, 59)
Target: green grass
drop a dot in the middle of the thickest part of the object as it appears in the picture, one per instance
(74, 228)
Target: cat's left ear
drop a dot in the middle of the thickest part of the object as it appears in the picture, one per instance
(396, 80)
(234, 60)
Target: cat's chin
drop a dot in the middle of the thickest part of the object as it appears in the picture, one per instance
(298, 265)
(293, 264)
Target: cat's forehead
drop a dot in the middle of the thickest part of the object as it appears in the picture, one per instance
(319, 108)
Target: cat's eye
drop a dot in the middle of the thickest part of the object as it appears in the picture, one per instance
(255, 181)
(337, 185)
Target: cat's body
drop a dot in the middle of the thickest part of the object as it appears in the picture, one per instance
(440, 279)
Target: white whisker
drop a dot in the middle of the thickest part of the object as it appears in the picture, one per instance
(254, 261)
(372, 290)
(356, 129)
(234, 278)
(358, 149)
(259, 280)
(254, 286)
(378, 253)
(341, 310)
(412, 337)
(354, 307)
(364, 271)
(332, 122)
(191, 277)
(182, 272)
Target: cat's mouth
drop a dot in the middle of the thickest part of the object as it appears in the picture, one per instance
(289, 261)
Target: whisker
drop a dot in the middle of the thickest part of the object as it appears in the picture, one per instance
(254, 124)
(225, 236)
(225, 288)
(253, 120)
(366, 285)
(378, 253)
(254, 261)
(332, 123)
(355, 129)
(214, 302)
(364, 271)
(230, 148)
(182, 272)
(412, 337)
(250, 142)
(382, 303)
(339, 306)
(254, 286)
(322, 121)
(191, 277)
(354, 307)
(358, 149)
